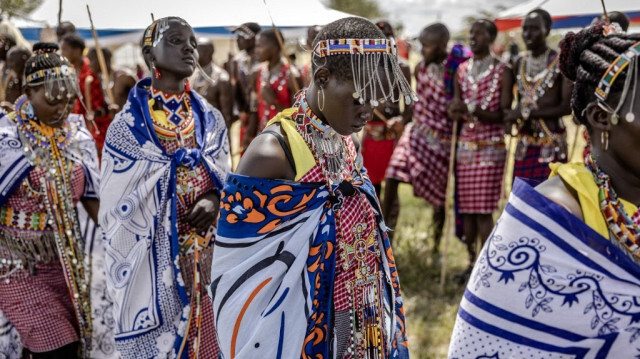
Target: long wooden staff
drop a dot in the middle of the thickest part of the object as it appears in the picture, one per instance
(511, 147)
(283, 51)
(101, 61)
(448, 207)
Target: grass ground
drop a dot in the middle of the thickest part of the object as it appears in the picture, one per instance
(431, 314)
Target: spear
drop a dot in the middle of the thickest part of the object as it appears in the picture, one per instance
(296, 87)
(101, 61)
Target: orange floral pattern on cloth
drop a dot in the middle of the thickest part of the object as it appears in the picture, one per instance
(266, 229)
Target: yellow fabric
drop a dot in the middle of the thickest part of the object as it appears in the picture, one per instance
(578, 177)
(302, 155)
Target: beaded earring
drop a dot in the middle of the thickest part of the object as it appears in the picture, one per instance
(29, 111)
(156, 73)
(604, 140)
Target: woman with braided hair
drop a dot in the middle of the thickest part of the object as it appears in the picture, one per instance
(566, 254)
(48, 163)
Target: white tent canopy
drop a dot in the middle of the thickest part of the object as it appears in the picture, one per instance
(213, 18)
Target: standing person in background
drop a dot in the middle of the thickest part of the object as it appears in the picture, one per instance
(7, 41)
(241, 68)
(63, 28)
(164, 163)
(212, 82)
(274, 84)
(381, 133)
(422, 155)
(13, 84)
(483, 90)
(93, 104)
(306, 75)
(121, 80)
(543, 98)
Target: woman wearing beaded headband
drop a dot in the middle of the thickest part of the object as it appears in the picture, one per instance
(165, 158)
(565, 253)
(303, 264)
(483, 89)
(49, 163)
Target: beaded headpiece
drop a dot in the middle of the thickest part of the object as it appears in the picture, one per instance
(367, 55)
(629, 58)
(153, 33)
(63, 76)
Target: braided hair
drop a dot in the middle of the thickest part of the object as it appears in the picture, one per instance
(349, 27)
(44, 57)
(584, 59)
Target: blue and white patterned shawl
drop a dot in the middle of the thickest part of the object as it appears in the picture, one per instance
(14, 166)
(138, 215)
(548, 286)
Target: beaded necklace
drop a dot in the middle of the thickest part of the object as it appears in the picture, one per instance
(179, 114)
(532, 88)
(366, 310)
(622, 227)
(43, 147)
(472, 79)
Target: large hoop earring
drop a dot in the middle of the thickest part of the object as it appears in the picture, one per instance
(321, 107)
(604, 140)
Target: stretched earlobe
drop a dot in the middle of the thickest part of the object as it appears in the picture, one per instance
(598, 117)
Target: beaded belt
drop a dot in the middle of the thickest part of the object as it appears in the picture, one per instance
(15, 219)
(431, 133)
(480, 145)
(23, 250)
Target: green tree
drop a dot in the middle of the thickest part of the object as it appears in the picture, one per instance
(365, 8)
(20, 8)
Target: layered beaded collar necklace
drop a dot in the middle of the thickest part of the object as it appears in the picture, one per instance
(624, 228)
(175, 106)
(326, 144)
(179, 113)
(38, 134)
(535, 80)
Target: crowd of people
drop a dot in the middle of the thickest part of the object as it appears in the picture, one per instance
(175, 254)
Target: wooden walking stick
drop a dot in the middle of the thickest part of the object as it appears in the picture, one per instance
(103, 64)
(283, 52)
(448, 207)
(511, 146)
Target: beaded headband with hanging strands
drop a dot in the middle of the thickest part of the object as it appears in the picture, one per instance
(628, 59)
(366, 57)
(154, 33)
(63, 76)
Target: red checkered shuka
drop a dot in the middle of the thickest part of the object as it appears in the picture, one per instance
(421, 156)
(351, 214)
(39, 306)
(481, 153)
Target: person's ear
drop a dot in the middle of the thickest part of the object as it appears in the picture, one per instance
(321, 76)
(597, 117)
